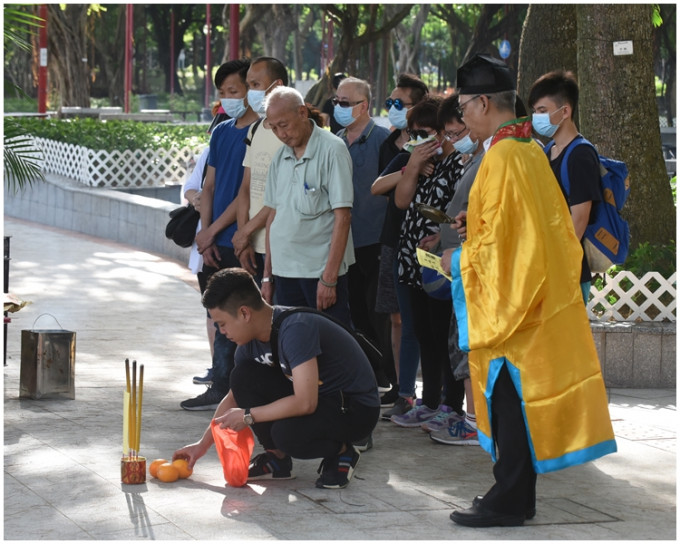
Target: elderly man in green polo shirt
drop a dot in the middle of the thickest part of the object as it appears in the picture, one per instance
(310, 193)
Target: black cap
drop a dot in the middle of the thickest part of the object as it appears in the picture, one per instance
(484, 74)
(337, 78)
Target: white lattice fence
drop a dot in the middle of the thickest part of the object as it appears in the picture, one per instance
(98, 168)
(625, 297)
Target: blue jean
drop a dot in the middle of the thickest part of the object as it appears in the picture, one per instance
(302, 292)
(409, 348)
(224, 349)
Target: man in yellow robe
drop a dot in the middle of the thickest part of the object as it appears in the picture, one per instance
(538, 389)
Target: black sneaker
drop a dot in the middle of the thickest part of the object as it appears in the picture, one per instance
(336, 471)
(388, 399)
(364, 444)
(204, 380)
(205, 401)
(401, 406)
(269, 466)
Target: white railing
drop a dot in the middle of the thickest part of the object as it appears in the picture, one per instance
(98, 168)
(625, 297)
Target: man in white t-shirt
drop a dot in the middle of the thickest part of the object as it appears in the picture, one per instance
(264, 75)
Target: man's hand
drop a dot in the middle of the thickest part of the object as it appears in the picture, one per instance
(241, 241)
(192, 453)
(429, 242)
(247, 260)
(325, 296)
(204, 239)
(446, 261)
(211, 256)
(232, 419)
(268, 292)
(461, 224)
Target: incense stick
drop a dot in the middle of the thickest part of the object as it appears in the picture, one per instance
(133, 409)
(139, 408)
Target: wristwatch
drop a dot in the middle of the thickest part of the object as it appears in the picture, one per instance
(247, 417)
(268, 280)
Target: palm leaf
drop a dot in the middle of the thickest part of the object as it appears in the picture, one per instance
(22, 160)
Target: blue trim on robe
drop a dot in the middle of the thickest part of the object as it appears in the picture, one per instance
(459, 303)
(547, 465)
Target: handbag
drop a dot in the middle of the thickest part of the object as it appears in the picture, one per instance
(181, 228)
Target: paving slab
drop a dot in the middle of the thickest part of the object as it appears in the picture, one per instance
(62, 457)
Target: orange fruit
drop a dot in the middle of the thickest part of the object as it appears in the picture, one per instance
(183, 468)
(153, 467)
(167, 472)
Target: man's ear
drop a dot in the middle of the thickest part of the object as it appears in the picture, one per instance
(245, 312)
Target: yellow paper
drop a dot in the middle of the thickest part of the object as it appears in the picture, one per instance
(430, 260)
(126, 422)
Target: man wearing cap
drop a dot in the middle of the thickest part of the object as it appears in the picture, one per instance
(538, 390)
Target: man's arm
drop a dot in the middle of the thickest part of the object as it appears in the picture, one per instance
(268, 286)
(241, 238)
(302, 402)
(580, 214)
(204, 238)
(327, 296)
(193, 452)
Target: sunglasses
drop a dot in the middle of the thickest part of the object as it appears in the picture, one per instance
(397, 103)
(344, 103)
(415, 134)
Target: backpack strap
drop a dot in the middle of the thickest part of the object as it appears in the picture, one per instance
(564, 169)
(249, 141)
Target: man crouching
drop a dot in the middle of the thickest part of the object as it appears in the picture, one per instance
(320, 398)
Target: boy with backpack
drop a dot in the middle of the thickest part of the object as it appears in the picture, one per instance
(554, 99)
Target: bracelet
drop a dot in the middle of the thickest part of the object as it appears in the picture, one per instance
(268, 280)
(325, 283)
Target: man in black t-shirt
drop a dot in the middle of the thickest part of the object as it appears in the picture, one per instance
(319, 399)
(554, 100)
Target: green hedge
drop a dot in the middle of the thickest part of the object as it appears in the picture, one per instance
(116, 135)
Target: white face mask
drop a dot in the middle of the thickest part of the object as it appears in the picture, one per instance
(542, 125)
(397, 117)
(234, 107)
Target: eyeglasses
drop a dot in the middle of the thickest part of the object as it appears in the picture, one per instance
(415, 134)
(344, 103)
(451, 136)
(397, 103)
(460, 110)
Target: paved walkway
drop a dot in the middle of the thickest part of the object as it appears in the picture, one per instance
(62, 457)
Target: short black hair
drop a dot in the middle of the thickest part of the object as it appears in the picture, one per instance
(337, 78)
(416, 86)
(229, 289)
(448, 110)
(275, 68)
(424, 113)
(239, 66)
(558, 85)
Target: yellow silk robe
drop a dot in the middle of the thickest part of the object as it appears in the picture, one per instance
(518, 303)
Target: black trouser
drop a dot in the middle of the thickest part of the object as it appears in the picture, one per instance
(363, 288)
(431, 318)
(314, 436)
(515, 489)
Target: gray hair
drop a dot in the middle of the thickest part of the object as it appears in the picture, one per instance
(504, 100)
(363, 86)
(290, 96)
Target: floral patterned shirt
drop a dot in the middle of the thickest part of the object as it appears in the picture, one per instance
(436, 191)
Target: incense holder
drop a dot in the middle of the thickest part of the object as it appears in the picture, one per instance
(133, 470)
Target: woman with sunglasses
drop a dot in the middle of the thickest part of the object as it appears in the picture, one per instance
(429, 178)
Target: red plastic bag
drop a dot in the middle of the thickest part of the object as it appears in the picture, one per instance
(234, 449)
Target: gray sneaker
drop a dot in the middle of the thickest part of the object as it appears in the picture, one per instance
(401, 406)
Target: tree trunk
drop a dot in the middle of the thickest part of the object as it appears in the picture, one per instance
(618, 111)
(550, 29)
(67, 29)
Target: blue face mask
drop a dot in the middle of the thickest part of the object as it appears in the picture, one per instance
(343, 115)
(256, 98)
(234, 107)
(542, 125)
(397, 117)
(466, 145)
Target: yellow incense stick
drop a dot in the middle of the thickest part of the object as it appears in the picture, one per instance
(133, 408)
(139, 407)
(127, 375)
(126, 422)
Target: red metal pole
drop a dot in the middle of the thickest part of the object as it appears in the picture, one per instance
(42, 65)
(208, 71)
(234, 37)
(128, 56)
(172, 52)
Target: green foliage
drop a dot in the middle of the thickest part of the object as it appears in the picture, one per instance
(116, 135)
(18, 26)
(22, 160)
(674, 182)
(651, 258)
